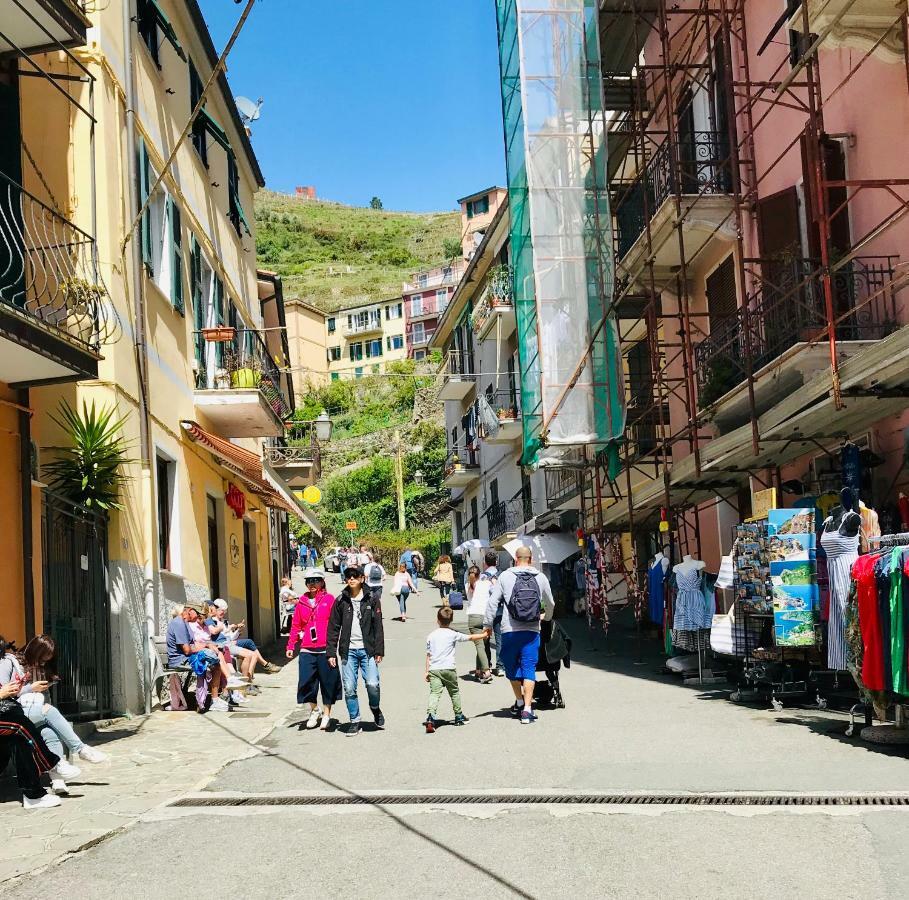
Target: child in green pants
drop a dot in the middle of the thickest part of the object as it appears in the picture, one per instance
(441, 672)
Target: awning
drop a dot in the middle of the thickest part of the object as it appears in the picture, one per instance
(249, 469)
(546, 548)
(300, 510)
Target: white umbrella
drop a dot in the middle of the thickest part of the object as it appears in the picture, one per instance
(473, 544)
(546, 548)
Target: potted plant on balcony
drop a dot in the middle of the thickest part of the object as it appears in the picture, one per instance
(81, 295)
(506, 413)
(220, 334)
(246, 377)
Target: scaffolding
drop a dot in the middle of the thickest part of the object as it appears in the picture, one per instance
(705, 120)
(561, 227)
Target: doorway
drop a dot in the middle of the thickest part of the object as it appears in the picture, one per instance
(249, 548)
(214, 548)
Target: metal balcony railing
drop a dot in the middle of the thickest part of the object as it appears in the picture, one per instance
(703, 168)
(561, 485)
(792, 310)
(420, 338)
(505, 404)
(496, 295)
(284, 456)
(371, 323)
(457, 365)
(48, 268)
(425, 281)
(506, 517)
(245, 362)
(460, 459)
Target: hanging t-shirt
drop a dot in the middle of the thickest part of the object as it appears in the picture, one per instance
(882, 580)
(897, 630)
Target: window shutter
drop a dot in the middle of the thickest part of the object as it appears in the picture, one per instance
(176, 269)
(218, 316)
(195, 287)
(144, 188)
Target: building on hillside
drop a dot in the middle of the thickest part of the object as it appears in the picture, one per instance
(493, 498)
(196, 367)
(477, 211)
(425, 299)
(362, 339)
(306, 337)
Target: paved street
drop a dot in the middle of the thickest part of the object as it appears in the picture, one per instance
(626, 729)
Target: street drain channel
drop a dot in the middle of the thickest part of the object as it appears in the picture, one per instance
(888, 800)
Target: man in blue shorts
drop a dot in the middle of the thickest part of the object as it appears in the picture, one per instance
(526, 599)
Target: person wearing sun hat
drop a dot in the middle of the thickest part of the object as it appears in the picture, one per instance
(309, 628)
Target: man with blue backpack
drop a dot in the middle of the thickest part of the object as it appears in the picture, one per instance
(526, 598)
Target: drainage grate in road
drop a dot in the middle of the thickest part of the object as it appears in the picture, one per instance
(546, 799)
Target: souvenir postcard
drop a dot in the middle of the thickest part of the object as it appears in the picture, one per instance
(793, 628)
(791, 521)
(791, 548)
(795, 596)
(793, 571)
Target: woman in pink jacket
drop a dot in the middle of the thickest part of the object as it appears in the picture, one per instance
(310, 628)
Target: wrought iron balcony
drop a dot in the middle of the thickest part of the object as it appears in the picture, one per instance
(48, 271)
(496, 299)
(34, 25)
(562, 484)
(291, 456)
(793, 310)
(506, 407)
(458, 378)
(702, 168)
(241, 387)
(506, 517)
(461, 468)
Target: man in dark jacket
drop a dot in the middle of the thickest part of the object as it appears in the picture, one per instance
(355, 634)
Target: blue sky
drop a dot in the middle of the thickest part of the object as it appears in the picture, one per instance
(395, 98)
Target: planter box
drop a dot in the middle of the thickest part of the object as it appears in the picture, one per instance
(218, 335)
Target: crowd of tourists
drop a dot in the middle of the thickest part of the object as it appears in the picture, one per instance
(341, 640)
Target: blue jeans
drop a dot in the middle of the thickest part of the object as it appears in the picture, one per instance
(358, 661)
(416, 578)
(55, 730)
(402, 600)
(497, 631)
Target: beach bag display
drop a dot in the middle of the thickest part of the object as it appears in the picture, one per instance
(456, 600)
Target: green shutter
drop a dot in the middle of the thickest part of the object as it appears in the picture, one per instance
(215, 130)
(166, 28)
(219, 319)
(144, 189)
(176, 249)
(195, 278)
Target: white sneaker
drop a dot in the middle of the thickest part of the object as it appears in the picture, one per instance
(91, 755)
(58, 786)
(46, 802)
(313, 720)
(237, 697)
(233, 683)
(219, 705)
(65, 769)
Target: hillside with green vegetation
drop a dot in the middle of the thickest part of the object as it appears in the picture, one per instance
(358, 463)
(333, 255)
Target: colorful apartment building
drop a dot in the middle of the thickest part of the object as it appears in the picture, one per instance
(129, 280)
(477, 212)
(362, 339)
(426, 298)
(306, 336)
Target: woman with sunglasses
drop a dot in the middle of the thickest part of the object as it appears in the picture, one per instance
(310, 628)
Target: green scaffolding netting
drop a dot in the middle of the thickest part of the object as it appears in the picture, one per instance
(561, 229)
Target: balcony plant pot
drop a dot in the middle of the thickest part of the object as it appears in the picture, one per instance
(220, 335)
(245, 378)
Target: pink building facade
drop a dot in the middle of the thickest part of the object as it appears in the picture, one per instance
(425, 299)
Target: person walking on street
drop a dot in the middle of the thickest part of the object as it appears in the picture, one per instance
(401, 587)
(304, 555)
(419, 566)
(441, 669)
(407, 557)
(292, 555)
(478, 594)
(491, 573)
(523, 592)
(375, 576)
(444, 578)
(310, 629)
(313, 556)
(356, 637)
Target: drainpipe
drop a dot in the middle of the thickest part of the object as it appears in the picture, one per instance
(25, 468)
(141, 350)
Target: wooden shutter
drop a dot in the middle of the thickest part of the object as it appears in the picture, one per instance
(721, 295)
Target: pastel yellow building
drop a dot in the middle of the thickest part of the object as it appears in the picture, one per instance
(363, 339)
(162, 315)
(306, 336)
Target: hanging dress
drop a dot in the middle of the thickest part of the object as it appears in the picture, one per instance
(689, 601)
(842, 552)
(656, 600)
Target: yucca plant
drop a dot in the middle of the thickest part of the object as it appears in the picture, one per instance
(89, 472)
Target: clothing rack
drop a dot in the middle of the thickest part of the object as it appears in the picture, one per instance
(891, 540)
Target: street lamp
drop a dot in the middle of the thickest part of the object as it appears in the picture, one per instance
(323, 425)
(419, 477)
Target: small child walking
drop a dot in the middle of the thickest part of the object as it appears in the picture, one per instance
(441, 670)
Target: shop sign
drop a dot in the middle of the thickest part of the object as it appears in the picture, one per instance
(761, 503)
(351, 526)
(236, 500)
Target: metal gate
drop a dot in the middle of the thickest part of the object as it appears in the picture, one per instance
(77, 606)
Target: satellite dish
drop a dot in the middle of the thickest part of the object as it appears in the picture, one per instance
(249, 111)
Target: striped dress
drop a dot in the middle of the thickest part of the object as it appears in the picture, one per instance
(689, 601)
(842, 552)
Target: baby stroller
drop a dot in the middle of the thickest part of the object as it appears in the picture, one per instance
(555, 648)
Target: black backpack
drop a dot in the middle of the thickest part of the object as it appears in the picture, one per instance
(375, 575)
(524, 603)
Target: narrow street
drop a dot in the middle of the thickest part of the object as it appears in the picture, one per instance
(626, 730)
